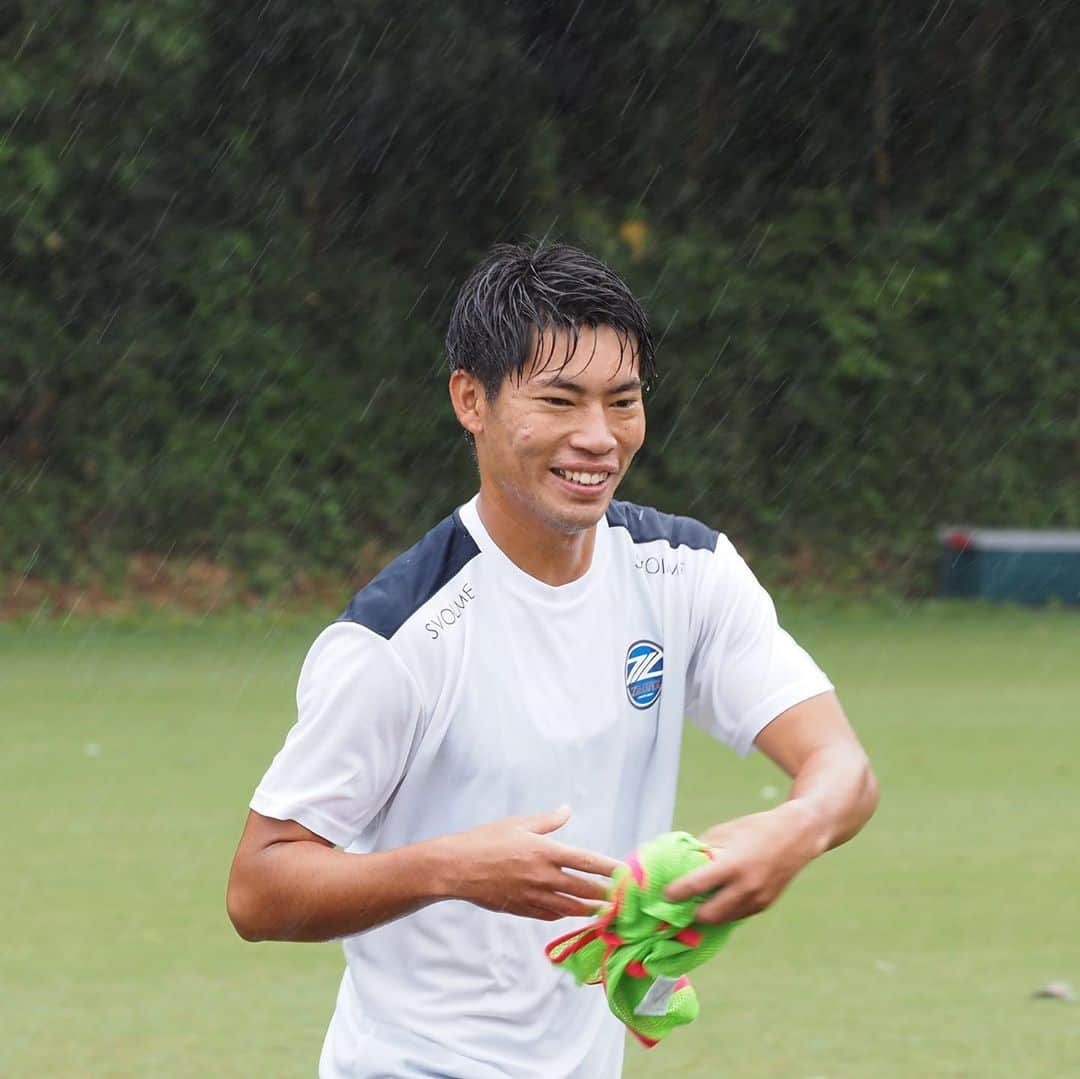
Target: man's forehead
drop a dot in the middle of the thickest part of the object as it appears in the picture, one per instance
(561, 355)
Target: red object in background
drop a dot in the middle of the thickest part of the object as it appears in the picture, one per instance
(958, 541)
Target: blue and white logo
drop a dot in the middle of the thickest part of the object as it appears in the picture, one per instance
(644, 673)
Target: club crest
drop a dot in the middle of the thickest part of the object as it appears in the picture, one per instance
(644, 673)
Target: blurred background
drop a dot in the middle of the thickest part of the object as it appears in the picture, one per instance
(230, 238)
(232, 235)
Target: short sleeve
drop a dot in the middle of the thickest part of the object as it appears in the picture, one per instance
(744, 668)
(359, 716)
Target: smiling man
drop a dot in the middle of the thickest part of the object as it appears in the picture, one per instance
(497, 716)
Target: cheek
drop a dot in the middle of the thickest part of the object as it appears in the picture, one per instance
(525, 440)
(632, 433)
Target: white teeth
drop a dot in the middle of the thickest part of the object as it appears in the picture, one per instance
(588, 479)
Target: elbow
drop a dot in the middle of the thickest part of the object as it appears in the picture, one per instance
(871, 791)
(243, 908)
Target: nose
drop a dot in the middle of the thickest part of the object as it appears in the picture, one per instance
(593, 434)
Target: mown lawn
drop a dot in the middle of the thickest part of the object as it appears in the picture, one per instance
(129, 750)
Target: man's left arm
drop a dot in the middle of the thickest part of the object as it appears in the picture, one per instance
(833, 794)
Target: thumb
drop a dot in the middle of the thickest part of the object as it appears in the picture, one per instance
(542, 823)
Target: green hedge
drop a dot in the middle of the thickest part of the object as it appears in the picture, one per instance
(232, 233)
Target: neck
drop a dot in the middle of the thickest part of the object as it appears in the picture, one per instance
(544, 552)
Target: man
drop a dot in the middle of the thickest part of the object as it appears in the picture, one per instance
(497, 716)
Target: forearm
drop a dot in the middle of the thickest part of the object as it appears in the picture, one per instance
(287, 883)
(305, 891)
(835, 793)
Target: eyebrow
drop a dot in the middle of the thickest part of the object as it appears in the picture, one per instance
(558, 383)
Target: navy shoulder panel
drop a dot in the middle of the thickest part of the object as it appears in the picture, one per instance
(388, 600)
(646, 524)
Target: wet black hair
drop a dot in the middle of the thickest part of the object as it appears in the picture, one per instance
(519, 291)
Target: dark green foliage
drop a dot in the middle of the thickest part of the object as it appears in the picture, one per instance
(231, 234)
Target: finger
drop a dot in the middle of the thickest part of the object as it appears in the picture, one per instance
(593, 906)
(565, 906)
(552, 908)
(728, 905)
(543, 823)
(582, 887)
(587, 861)
(699, 882)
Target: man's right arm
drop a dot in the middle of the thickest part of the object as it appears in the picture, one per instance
(287, 883)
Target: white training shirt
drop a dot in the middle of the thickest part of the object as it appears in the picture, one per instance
(457, 690)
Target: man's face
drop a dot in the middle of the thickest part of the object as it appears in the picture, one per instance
(554, 446)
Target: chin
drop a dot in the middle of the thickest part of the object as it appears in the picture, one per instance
(577, 519)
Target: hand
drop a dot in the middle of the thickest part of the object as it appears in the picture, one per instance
(513, 866)
(754, 859)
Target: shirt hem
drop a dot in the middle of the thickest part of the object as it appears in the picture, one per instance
(311, 819)
(774, 706)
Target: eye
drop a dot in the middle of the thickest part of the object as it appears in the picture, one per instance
(626, 402)
(557, 400)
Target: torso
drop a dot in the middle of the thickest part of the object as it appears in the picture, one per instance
(527, 706)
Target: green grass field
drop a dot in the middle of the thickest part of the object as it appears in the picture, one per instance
(129, 751)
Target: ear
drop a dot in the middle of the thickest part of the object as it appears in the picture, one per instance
(467, 397)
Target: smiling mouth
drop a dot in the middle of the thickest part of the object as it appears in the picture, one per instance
(583, 479)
